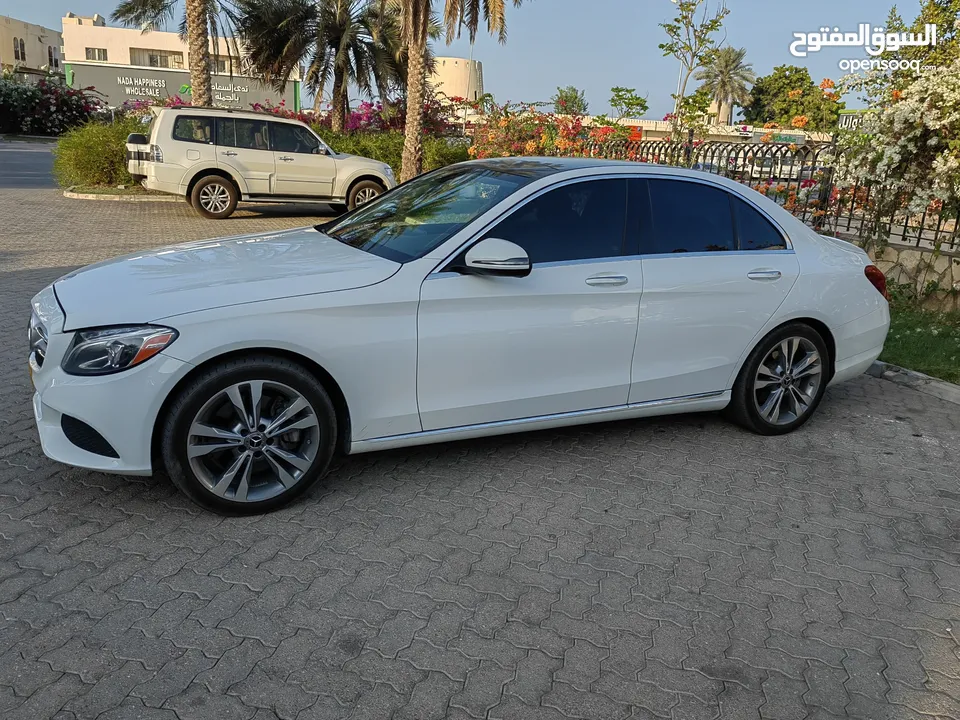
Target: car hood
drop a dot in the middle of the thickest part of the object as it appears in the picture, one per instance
(144, 287)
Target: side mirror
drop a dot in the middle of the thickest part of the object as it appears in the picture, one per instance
(493, 256)
(137, 139)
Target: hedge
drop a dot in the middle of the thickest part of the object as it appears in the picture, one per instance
(95, 154)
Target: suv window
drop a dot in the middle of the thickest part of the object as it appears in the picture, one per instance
(687, 217)
(580, 221)
(243, 133)
(754, 231)
(286, 137)
(193, 129)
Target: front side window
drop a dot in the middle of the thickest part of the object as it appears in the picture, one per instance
(415, 218)
(579, 221)
(754, 231)
(687, 217)
(193, 129)
(286, 137)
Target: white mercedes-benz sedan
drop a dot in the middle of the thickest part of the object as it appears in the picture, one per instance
(487, 297)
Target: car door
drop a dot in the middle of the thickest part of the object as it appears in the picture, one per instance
(559, 340)
(303, 168)
(715, 271)
(243, 147)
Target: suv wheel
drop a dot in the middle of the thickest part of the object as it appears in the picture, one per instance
(214, 197)
(363, 192)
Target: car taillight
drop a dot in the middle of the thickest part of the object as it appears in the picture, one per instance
(156, 154)
(877, 279)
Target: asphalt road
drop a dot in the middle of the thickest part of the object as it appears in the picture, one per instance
(25, 165)
(676, 568)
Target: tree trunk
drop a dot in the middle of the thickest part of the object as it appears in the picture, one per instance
(317, 102)
(337, 112)
(198, 47)
(416, 82)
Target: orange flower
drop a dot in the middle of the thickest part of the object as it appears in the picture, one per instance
(794, 94)
(827, 84)
(800, 121)
(831, 96)
(504, 122)
(770, 126)
(793, 147)
(531, 147)
(897, 94)
(767, 138)
(472, 151)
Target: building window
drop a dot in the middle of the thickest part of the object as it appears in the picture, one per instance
(97, 54)
(16, 48)
(50, 65)
(23, 51)
(156, 58)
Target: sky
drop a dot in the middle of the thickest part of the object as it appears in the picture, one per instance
(599, 44)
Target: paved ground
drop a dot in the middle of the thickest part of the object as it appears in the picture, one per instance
(671, 568)
(26, 165)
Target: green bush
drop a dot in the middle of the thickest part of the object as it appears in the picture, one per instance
(95, 154)
(387, 146)
(44, 107)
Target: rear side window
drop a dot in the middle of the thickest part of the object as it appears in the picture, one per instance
(687, 217)
(754, 231)
(193, 129)
(243, 133)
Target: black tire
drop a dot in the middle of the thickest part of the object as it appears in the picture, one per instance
(744, 403)
(205, 388)
(361, 189)
(223, 188)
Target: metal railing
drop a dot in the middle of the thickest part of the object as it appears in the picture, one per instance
(810, 181)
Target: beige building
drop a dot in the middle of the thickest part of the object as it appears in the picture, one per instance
(30, 50)
(458, 77)
(125, 64)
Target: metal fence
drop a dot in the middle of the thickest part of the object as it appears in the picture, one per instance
(812, 182)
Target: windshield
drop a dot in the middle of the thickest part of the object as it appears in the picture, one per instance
(416, 217)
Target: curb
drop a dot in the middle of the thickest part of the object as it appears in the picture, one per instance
(29, 138)
(918, 381)
(68, 193)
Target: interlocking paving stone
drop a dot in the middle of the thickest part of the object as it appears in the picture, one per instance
(664, 568)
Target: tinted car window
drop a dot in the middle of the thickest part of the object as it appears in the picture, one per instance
(688, 217)
(579, 221)
(755, 232)
(242, 133)
(285, 137)
(416, 217)
(193, 129)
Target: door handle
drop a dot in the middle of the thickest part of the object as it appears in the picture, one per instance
(285, 158)
(607, 280)
(229, 153)
(764, 274)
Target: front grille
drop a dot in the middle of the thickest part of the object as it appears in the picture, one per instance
(85, 437)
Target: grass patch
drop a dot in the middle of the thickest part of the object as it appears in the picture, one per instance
(928, 342)
(114, 190)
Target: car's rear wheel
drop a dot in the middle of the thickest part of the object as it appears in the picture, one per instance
(249, 435)
(782, 381)
(363, 192)
(214, 197)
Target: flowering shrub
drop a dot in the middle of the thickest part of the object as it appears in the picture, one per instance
(47, 107)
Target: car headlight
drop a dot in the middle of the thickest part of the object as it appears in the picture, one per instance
(103, 351)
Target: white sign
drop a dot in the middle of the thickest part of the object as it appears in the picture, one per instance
(875, 43)
(142, 86)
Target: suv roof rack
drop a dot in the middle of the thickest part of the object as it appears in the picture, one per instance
(192, 108)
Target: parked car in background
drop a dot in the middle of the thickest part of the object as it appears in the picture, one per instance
(486, 297)
(215, 158)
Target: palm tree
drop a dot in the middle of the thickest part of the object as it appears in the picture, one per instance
(203, 20)
(727, 78)
(339, 41)
(415, 19)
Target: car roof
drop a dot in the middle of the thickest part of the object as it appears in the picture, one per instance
(190, 109)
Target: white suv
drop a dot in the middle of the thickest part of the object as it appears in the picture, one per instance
(215, 158)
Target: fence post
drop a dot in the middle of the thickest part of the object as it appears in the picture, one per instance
(688, 150)
(826, 188)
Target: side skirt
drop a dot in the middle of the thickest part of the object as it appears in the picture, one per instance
(704, 402)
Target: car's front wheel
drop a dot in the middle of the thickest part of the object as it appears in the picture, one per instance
(782, 381)
(214, 197)
(249, 435)
(363, 192)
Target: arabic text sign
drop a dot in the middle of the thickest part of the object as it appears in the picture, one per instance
(875, 41)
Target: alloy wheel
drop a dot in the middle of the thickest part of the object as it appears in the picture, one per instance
(365, 195)
(214, 198)
(788, 380)
(253, 441)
